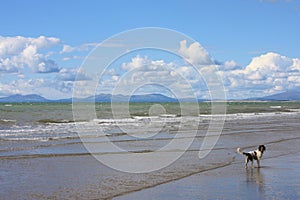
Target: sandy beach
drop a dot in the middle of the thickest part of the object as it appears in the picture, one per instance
(48, 161)
(278, 178)
(83, 177)
(149, 100)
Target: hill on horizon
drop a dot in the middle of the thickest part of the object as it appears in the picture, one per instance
(34, 98)
(18, 98)
(284, 96)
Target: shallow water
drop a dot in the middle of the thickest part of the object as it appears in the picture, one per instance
(278, 178)
(43, 156)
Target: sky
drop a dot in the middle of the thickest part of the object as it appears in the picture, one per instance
(253, 43)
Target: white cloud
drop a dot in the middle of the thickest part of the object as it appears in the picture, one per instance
(296, 64)
(266, 74)
(24, 59)
(142, 72)
(194, 54)
(72, 75)
(84, 47)
(136, 62)
(73, 57)
(230, 65)
(67, 49)
(21, 86)
(19, 52)
(115, 78)
(268, 62)
(46, 66)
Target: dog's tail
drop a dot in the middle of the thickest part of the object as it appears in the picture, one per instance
(239, 151)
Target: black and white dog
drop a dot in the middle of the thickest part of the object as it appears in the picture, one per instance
(253, 155)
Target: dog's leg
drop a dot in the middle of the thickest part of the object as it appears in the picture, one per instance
(258, 163)
(252, 164)
(246, 162)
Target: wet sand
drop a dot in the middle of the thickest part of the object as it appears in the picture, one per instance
(278, 178)
(220, 175)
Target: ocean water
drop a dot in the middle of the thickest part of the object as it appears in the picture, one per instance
(47, 133)
(42, 117)
(28, 128)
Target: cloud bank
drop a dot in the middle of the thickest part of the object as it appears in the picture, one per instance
(27, 65)
(19, 52)
(266, 74)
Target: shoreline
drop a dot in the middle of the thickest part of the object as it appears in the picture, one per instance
(80, 176)
(274, 180)
(169, 181)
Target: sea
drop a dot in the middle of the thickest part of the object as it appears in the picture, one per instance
(54, 122)
(45, 131)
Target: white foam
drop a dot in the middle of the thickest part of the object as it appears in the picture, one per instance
(104, 127)
(7, 120)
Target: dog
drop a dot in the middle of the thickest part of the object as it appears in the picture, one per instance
(253, 155)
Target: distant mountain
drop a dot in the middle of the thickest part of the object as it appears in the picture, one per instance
(133, 98)
(98, 98)
(284, 96)
(151, 98)
(17, 98)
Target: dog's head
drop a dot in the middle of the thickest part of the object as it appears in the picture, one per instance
(262, 148)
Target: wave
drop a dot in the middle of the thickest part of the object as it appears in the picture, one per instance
(7, 121)
(55, 121)
(246, 115)
(169, 115)
(41, 139)
(201, 116)
(119, 130)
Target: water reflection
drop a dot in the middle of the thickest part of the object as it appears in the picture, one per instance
(255, 179)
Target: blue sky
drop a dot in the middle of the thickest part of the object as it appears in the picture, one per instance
(254, 42)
